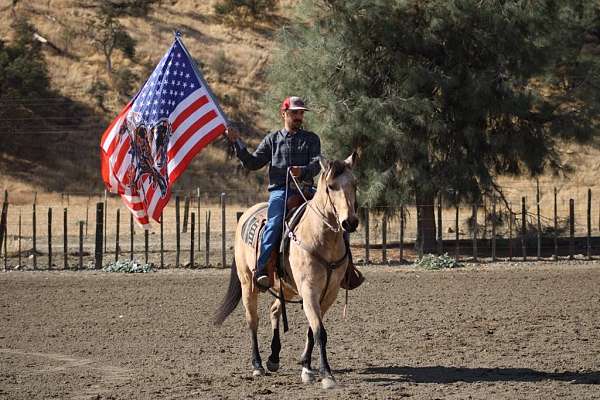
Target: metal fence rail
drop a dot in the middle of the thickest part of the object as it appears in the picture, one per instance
(73, 231)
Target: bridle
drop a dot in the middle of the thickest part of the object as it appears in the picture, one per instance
(318, 212)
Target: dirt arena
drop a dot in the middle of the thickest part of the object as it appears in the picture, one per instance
(493, 331)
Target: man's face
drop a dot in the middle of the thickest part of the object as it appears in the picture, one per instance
(293, 119)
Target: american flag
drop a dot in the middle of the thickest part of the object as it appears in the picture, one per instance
(155, 137)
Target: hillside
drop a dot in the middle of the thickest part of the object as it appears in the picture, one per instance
(233, 60)
(62, 153)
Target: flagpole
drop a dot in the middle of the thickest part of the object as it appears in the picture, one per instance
(201, 77)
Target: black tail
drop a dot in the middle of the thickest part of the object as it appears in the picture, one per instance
(232, 298)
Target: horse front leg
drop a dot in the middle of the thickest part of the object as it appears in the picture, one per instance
(312, 310)
(308, 374)
(273, 360)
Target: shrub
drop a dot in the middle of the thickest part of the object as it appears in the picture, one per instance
(256, 9)
(431, 261)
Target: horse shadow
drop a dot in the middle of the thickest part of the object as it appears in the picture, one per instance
(442, 374)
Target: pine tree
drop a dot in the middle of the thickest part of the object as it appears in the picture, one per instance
(442, 96)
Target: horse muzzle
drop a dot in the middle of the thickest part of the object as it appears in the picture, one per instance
(350, 224)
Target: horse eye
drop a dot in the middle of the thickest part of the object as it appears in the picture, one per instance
(331, 186)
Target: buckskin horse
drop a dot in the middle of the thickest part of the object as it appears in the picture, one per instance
(314, 268)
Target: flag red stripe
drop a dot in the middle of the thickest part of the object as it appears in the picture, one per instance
(121, 156)
(189, 111)
(196, 126)
(209, 137)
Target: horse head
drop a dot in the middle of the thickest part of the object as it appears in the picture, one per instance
(339, 186)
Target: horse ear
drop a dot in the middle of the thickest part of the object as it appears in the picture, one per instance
(351, 160)
(324, 163)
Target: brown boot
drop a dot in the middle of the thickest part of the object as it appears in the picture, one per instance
(353, 277)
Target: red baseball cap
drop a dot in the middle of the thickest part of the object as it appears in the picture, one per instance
(293, 103)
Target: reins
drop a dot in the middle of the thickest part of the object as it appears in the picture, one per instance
(330, 266)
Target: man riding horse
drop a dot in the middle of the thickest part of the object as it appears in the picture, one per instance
(289, 149)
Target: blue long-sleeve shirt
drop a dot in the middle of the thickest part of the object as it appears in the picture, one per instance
(281, 150)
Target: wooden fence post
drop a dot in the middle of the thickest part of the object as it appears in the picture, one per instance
(366, 211)
(4, 228)
(539, 221)
(401, 233)
(439, 226)
(80, 265)
(162, 243)
(118, 227)
(192, 234)
(131, 233)
(99, 234)
(555, 227)
(223, 232)
(105, 218)
(198, 214)
(34, 238)
(457, 234)
(523, 228)
(19, 240)
(186, 213)
(510, 231)
(65, 240)
(493, 228)
(87, 213)
(474, 222)
(571, 228)
(177, 232)
(589, 225)
(146, 235)
(50, 238)
(384, 238)
(207, 238)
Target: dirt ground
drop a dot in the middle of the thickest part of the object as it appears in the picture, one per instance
(490, 331)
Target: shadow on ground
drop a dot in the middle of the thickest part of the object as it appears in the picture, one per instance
(441, 374)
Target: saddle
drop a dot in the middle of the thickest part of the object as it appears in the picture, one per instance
(253, 229)
(252, 232)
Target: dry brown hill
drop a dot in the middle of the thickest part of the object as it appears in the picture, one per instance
(233, 59)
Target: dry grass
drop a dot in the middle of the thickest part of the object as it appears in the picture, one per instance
(246, 48)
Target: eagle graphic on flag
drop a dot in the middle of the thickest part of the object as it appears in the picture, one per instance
(154, 138)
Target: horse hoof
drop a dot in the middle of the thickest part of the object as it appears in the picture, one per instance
(328, 383)
(258, 371)
(272, 366)
(307, 376)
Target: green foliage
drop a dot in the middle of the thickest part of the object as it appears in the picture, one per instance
(107, 35)
(128, 267)
(23, 70)
(119, 8)
(255, 9)
(433, 262)
(442, 96)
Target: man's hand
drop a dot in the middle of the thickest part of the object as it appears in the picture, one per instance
(232, 134)
(296, 171)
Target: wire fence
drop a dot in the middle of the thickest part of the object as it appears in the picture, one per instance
(85, 231)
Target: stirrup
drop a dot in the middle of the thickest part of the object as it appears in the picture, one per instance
(263, 282)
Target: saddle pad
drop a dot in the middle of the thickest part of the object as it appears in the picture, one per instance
(253, 225)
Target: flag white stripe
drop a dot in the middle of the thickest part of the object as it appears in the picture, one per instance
(191, 142)
(112, 134)
(189, 121)
(185, 103)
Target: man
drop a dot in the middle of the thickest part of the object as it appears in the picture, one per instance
(291, 147)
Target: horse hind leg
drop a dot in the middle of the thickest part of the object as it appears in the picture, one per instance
(249, 299)
(273, 360)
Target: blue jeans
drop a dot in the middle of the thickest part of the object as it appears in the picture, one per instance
(272, 232)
